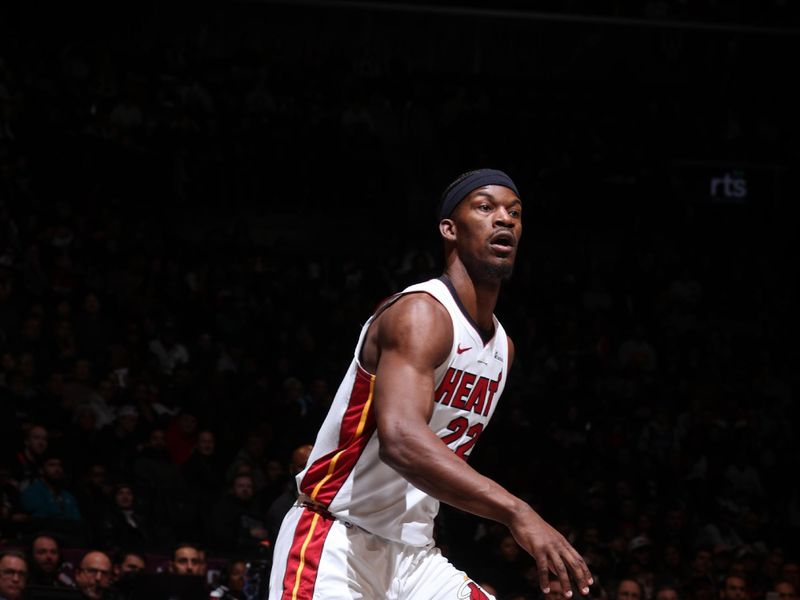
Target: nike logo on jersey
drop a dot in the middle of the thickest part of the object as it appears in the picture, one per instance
(461, 350)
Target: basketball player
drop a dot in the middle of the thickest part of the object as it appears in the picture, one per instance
(428, 370)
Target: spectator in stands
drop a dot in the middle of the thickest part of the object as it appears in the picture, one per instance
(93, 575)
(629, 589)
(45, 563)
(636, 354)
(127, 566)
(733, 587)
(703, 564)
(187, 559)
(94, 492)
(770, 570)
(639, 549)
(168, 351)
(79, 390)
(671, 569)
(123, 525)
(701, 588)
(236, 578)
(250, 455)
(276, 479)
(13, 575)
(128, 562)
(181, 437)
(506, 566)
(92, 328)
(232, 587)
(152, 467)
(722, 558)
(46, 497)
(118, 441)
(82, 438)
(28, 460)
(281, 505)
(204, 472)
(12, 515)
(785, 590)
(790, 571)
(237, 523)
(666, 592)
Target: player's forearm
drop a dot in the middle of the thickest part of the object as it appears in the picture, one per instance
(421, 458)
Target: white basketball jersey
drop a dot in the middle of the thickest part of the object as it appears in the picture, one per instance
(344, 472)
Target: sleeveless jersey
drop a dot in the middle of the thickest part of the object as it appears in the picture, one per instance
(344, 473)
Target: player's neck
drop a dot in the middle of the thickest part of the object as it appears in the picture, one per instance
(479, 298)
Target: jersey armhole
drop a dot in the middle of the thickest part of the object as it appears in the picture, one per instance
(389, 303)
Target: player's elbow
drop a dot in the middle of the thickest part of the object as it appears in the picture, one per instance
(397, 449)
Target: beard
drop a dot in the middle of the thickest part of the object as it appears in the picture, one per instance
(499, 272)
(487, 272)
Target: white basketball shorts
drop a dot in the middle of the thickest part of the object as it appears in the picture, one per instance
(317, 557)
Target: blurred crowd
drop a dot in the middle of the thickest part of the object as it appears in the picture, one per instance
(162, 374)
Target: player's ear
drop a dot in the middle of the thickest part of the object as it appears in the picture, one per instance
(448, 229)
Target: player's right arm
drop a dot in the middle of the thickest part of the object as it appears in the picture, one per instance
(405, 345)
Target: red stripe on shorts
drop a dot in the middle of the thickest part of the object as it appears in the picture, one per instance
(302, 564)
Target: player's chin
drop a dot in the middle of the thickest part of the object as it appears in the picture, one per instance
(499, 270)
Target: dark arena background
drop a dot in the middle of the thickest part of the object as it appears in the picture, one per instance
(200, 204)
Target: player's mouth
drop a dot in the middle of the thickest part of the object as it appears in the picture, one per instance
(503, 242)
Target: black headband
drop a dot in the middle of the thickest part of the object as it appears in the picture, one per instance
(461, 187)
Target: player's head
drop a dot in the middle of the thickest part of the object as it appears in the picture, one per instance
(480, 220)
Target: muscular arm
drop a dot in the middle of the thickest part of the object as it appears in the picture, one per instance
(412, 338)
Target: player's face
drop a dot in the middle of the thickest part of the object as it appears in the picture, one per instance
(488, 226)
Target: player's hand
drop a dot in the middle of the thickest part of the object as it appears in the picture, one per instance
(552, 553)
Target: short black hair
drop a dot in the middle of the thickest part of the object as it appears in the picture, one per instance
(122, 554)
(14, 554)
(180, 545)
(42, 534)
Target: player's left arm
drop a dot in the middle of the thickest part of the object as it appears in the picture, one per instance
(413, 341)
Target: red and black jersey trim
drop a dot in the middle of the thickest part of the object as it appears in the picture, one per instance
(325, 477)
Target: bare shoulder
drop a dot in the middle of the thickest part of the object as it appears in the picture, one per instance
(418, 326)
